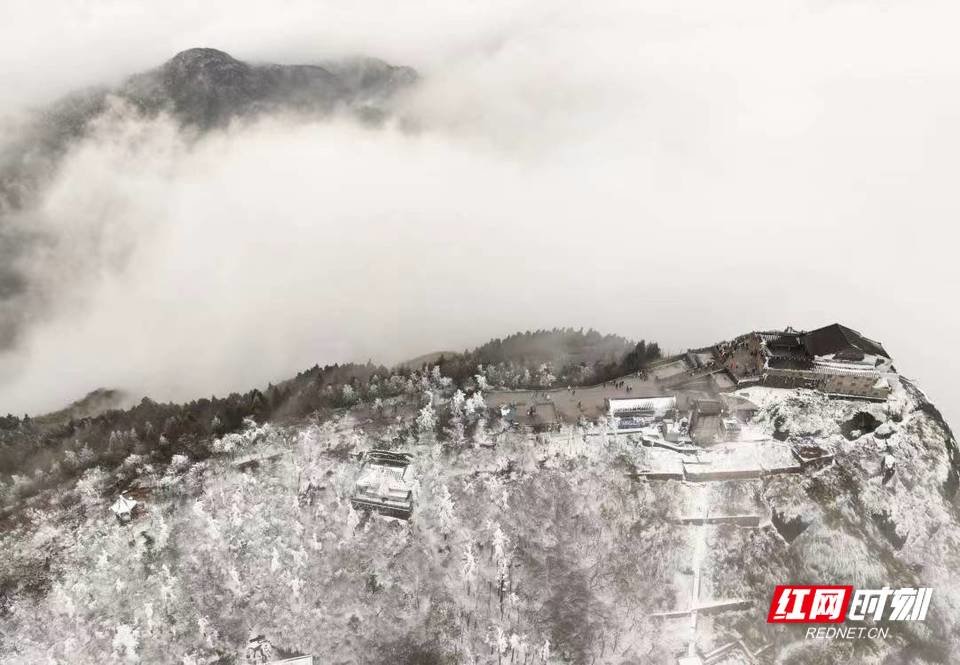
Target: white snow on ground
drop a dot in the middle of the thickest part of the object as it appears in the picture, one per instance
(286, 531)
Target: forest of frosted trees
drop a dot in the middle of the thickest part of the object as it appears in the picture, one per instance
(222, 552)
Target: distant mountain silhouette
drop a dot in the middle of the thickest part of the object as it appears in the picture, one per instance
(206, 87)
(202, 88)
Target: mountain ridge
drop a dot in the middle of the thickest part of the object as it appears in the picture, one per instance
(530, 541)
(207, 87)
(202, 89)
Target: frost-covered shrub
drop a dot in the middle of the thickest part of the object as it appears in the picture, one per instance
(91, 485)
(179, 463)
(427, 420)
(251, 435)
(21, 485)
(195, 477)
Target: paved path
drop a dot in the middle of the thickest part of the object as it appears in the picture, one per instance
(575, 402)
(703, 529)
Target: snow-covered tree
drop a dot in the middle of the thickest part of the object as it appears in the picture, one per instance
(474, 405)
(481, 379)
(427, 420)
(179, 463)
(480, 433)
(446, 519)
(349, 394)
(545, 376)
(126, 642)
(457, 402)
(91, 486)
(545, 651)
(468, 567)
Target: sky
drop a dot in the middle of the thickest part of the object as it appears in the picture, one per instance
(676, 171)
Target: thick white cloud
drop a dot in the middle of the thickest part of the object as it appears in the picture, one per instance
(677, 171)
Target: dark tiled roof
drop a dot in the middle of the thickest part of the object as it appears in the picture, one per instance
(836, 338)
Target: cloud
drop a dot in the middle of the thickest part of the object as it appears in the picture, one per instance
(681, 172)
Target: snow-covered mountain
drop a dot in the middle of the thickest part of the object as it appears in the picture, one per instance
(201, 89)
(577, 541)
(206, 87)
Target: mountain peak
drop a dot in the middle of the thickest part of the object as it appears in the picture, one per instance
(202, 52)
(205, 62)
(206, 86)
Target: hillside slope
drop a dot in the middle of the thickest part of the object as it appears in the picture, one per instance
(200, 90)
(523, 547)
